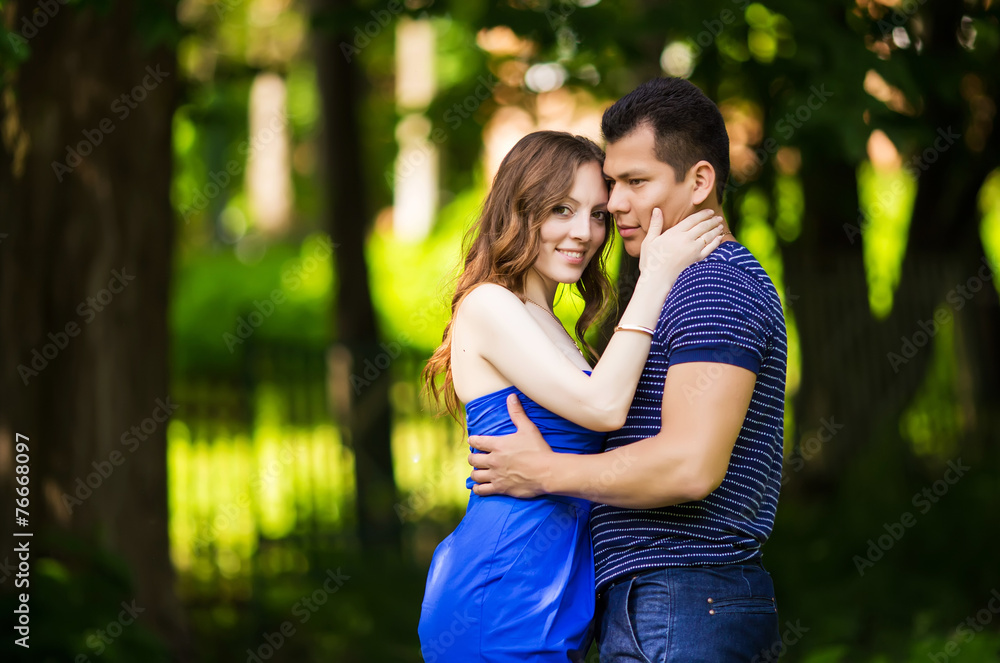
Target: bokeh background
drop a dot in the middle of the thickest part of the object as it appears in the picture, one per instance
(228, 232)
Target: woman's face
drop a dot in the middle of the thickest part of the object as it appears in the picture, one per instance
(575, 229)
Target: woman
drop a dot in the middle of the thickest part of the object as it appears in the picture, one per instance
(515, 580)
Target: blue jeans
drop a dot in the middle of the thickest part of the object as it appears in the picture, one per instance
(688, 614)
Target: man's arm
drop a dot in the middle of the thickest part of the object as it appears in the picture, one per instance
(685, 461)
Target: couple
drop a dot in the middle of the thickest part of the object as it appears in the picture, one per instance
(654, 545)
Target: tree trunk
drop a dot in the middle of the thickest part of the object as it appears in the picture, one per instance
(862, 370)
(84, 279)
(360, 366)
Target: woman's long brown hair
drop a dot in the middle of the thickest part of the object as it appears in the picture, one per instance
(535, 176)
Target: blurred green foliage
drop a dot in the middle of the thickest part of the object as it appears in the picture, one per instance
(221, 304)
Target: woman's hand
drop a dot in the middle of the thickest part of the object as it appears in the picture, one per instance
(669, 253)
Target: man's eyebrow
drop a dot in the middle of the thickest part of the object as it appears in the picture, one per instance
(627, 175)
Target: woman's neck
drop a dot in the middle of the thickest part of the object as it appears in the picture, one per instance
(540, 289)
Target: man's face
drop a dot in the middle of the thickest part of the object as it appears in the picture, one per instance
(641, 182)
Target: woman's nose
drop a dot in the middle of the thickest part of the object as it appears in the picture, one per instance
(580, 228)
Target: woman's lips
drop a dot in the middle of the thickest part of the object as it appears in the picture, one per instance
(572, 257)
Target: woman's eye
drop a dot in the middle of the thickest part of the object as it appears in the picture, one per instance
(601, 215)
(562, 210)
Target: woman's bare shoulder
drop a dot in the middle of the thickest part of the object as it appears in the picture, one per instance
(489, 300)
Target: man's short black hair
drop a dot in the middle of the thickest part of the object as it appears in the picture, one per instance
(687, 124)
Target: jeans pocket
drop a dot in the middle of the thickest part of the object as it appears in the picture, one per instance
(630, 619)
(742, 605)
(647, 604)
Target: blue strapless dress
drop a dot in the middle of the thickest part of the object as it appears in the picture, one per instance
(515, 580)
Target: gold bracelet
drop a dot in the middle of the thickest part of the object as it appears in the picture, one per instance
(637, 328)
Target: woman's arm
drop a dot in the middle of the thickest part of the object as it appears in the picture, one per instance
(508, 337)
(685, 461)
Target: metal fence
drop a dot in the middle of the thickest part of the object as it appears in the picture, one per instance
(258, 459)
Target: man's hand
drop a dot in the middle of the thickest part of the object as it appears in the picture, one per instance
(514, 464)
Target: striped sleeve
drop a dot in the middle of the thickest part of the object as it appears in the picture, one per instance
(713, 314)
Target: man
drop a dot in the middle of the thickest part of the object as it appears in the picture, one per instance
(686, 492)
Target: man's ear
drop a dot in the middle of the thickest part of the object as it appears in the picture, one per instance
(702, 176)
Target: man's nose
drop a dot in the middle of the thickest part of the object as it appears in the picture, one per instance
(618, 202)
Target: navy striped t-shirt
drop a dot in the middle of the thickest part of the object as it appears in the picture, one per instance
(723, 309)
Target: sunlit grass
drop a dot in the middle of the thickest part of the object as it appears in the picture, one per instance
(229, 490)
